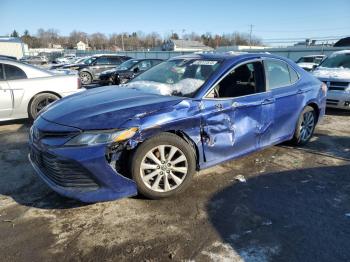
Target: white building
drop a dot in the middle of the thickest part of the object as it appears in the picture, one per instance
(13, 46)
(82, 46)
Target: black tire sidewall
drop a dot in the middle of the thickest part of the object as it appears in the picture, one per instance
(35, 101)
(297, 139)
(145, 147)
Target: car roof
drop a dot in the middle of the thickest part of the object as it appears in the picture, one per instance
(314, 55)
(230, 57)
(341, 52)
(98, 55)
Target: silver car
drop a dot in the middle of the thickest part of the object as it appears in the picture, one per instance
(26, 89)
(334, 71)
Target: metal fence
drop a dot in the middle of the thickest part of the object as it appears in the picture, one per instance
(294, 53)
(136, 54)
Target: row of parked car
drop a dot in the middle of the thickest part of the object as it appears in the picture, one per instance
(107, 68)
(25, 89)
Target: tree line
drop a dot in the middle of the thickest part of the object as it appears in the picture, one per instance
(128, 41)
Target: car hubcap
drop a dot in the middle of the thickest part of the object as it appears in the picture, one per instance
(307, 126)
(44, 103)
(85, 78)
(164, 168)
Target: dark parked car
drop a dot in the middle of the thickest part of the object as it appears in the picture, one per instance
(127, 70)
(90, 69)
(188, 113)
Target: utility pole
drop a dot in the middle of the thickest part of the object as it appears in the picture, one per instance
(250, 36)
(123, 41)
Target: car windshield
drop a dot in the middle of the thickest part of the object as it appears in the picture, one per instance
(89, 60)
(179, 77)
(127, 64)
(341, 60)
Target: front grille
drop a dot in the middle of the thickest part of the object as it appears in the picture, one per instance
(338, 86)
(64, 173)
(332, 102)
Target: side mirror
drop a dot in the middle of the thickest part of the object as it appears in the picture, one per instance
(136, 70)
(314, 67)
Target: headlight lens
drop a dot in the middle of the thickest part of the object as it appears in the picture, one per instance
(348, 89)
(102, 137)
(74, 68)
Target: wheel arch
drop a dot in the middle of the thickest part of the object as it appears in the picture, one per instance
(187, 139)
(316, 108)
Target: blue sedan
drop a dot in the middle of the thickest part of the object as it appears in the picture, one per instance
(186, 114)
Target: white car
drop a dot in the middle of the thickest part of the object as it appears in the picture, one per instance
(26, 89)
(310, 62)
(334, 71)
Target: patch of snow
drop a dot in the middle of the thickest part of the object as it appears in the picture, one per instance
(185, 86)
(325, 72)
(240, 178)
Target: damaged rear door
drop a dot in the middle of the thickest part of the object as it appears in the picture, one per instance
(237, 114)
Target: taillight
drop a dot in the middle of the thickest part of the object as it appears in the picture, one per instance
(324, 88)
(79, 82)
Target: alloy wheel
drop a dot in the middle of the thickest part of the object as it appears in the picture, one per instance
(307, 126)
(43, 103)
(85, 78)
(164, 168)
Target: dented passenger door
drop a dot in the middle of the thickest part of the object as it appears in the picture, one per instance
(237, 115)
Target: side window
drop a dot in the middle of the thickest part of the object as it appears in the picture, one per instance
(277, 73)
(156, 62)
(144, 65)
(2, 77)
(115, 60)
(13, 72)
(102, 61)
(293, 75)
(244, 80)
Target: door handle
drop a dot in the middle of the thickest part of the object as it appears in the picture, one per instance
(268, 101)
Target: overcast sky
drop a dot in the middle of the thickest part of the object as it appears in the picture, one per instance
(270, 19)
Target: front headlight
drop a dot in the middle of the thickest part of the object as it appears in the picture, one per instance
(74, 68)
(101, 137)
(348, 89)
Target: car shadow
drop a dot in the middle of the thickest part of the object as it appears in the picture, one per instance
(337, 112)
(296, 215)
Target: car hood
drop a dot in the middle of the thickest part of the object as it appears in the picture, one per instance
(106, 107)
(73, 65)
(332, 73)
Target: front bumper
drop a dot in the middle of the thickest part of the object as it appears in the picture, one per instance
(81, 173)
(338, 99)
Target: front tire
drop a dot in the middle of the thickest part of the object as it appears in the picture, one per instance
(39, 102)
(163, 166)
(305, 126)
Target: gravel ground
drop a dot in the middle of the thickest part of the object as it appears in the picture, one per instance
(294, 206)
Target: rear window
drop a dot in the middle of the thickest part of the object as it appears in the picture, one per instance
(277, 73)
(14, 73)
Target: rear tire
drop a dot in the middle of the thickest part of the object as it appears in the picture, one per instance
(305, 126)
(39, 102)
(85, 77)
(163, 166)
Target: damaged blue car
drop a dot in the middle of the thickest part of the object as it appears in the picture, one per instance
(186, 114)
